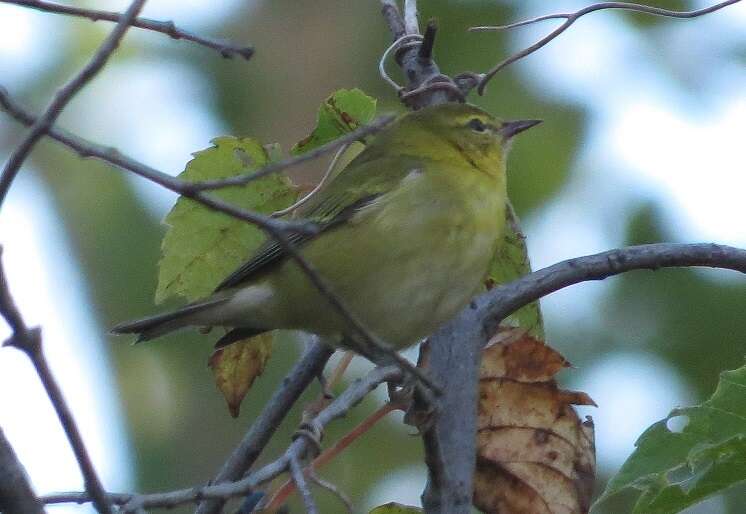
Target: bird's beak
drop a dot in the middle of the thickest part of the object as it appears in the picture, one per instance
(511, 128)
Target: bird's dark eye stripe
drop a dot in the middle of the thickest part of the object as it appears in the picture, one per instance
(477, 124)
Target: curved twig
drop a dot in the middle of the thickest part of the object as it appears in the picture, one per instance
(296, 471)
(168, 28)
(316, 479)
(318, 187)
(396, 45)
(572, 17)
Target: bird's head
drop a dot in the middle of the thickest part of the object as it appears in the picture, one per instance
(459, 132)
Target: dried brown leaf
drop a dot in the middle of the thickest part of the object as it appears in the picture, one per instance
(236, 366)
(534, 455)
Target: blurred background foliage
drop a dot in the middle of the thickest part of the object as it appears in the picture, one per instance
(670, 332)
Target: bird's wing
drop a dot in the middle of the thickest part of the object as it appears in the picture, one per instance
(357, 186)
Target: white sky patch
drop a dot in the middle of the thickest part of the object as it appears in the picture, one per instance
(155, 111)
(29, 42)
(696, 162)
(633, 391)
(49, 292)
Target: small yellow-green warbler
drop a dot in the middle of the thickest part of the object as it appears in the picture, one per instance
(407, 232)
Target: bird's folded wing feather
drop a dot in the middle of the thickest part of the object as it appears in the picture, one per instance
(358, 185)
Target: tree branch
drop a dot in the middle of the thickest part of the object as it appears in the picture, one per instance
(393, 18)
(571, 18)
(168, 28)
(16, 494)
(449, 490)
(494, 306)
(411, 21)
(63, 97)
(28, 340)
(296, 471)
(353, 395)
(426, 84)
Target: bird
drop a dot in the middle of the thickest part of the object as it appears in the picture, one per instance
(406, 233)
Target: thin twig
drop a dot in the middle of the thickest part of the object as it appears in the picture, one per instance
(318, 187)
(411, 21)
(510, 297)
(296, 471)
(64, 95)
(356, 135)
(316, 479)
(572, 17)
(168, 28)
(81, 497)
(282, 494)
(16, 494)
(353, 395)
(428, 40)
(393, 18)
(28, 340)
(339, 371)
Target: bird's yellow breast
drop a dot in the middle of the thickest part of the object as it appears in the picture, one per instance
(407, 262)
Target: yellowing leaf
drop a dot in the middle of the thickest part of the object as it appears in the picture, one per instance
(344, 111)
(201, 247)
(534, 455)
(395, 508)
(236, 366)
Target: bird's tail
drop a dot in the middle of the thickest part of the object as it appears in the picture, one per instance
(160, 324)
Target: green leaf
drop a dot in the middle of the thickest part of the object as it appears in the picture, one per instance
(509, 263)
(674, 470)
(202, 246)
(395, 508)
(344, 111)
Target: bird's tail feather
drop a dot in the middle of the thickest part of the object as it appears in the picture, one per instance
(160, 324)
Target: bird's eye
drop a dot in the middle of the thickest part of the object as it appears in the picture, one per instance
(477, 125)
